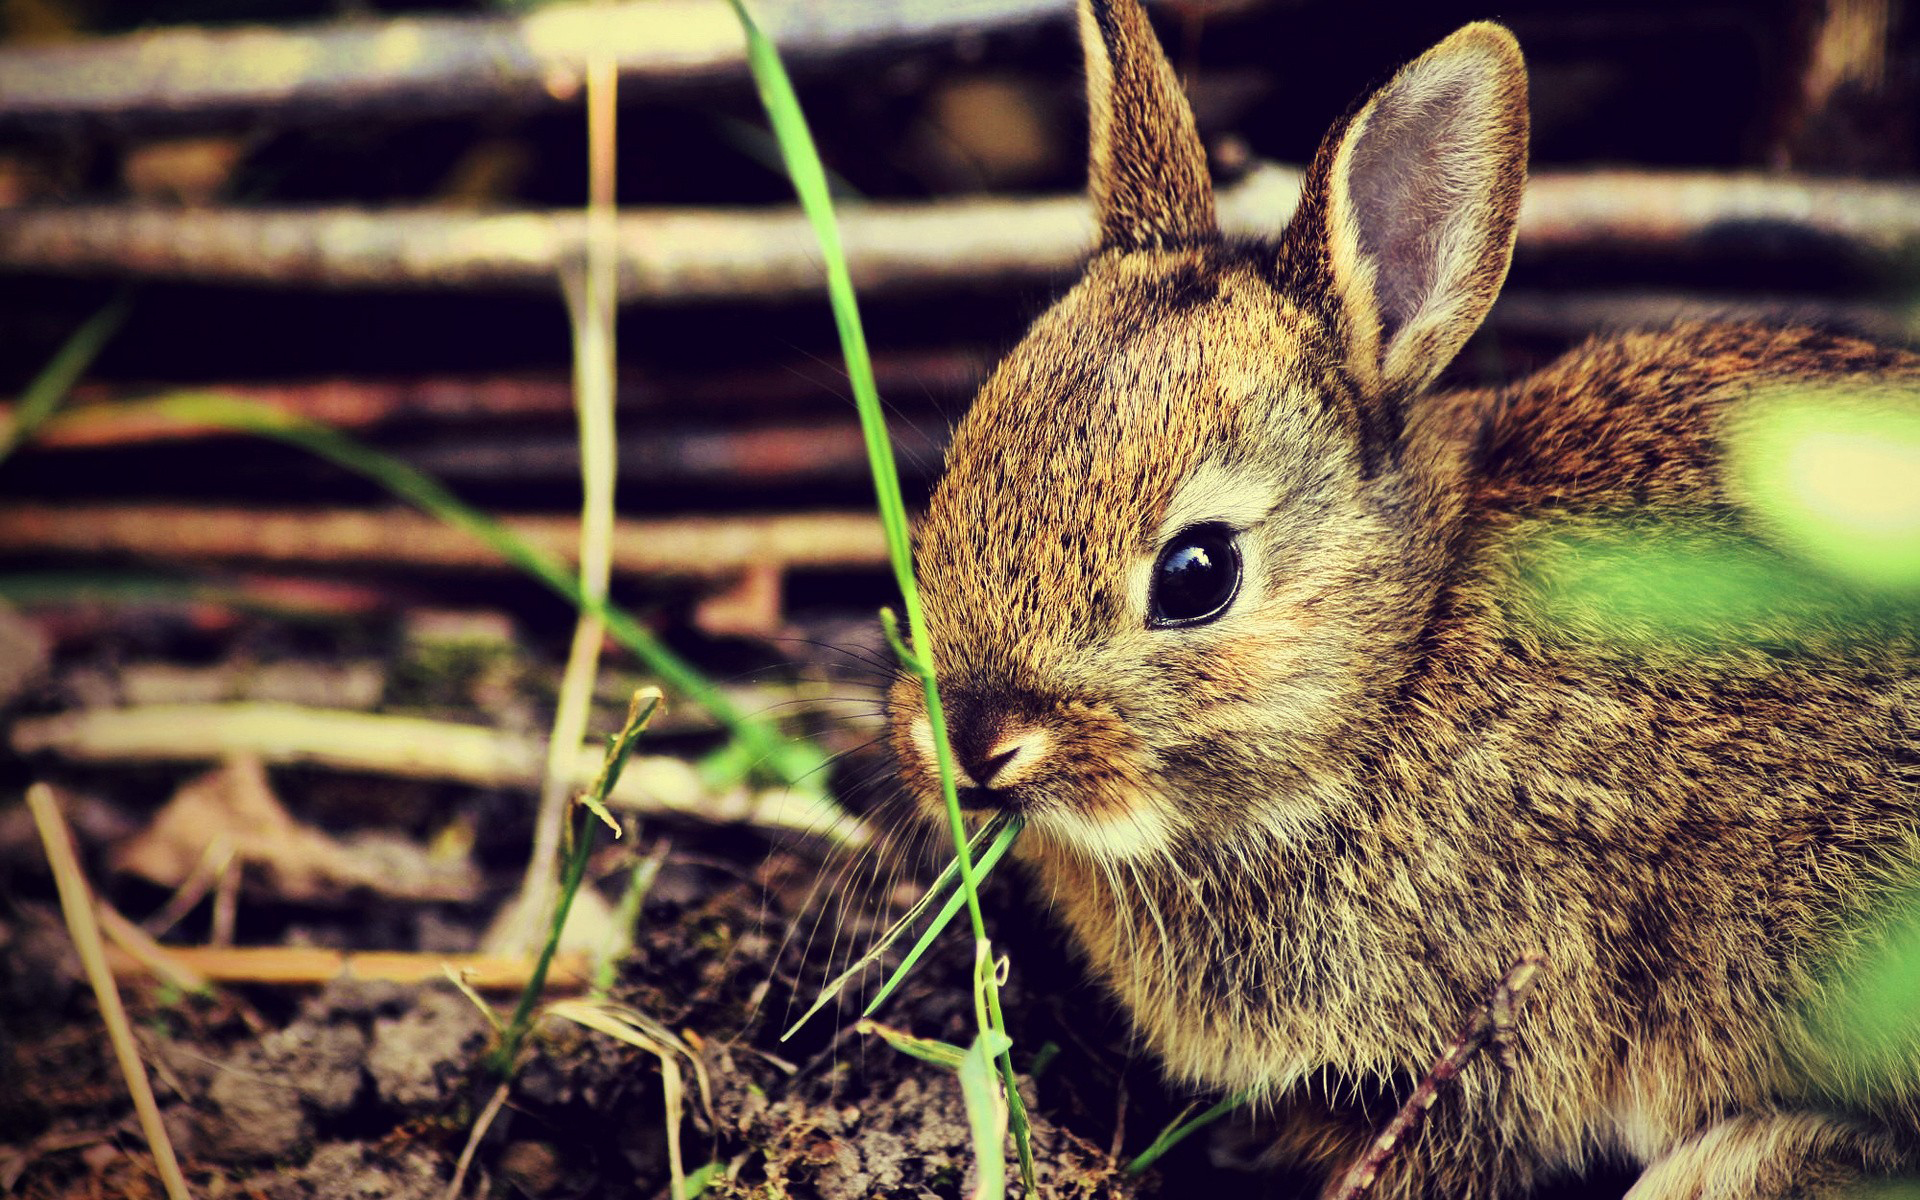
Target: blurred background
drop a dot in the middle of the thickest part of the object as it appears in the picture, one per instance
(360, 212)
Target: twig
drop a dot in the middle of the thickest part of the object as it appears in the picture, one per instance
(314, 966)
(796, 390)
(480, 1126)
(1491, 1021)
(411, 747)
(417, 66)
(137, 944)
(689, 548)
(76, 902)
(675, 255)
(1567, 314)
(591, 308)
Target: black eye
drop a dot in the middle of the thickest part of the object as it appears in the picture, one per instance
(1195, 578)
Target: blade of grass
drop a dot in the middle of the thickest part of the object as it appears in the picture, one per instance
(44, 394)
(932, 1050)
(940, 886)
(1008, 828)
(700, 1180)
(636, 1029)
(793, 761)
(626, 916)
(810, 184)
(1180, 1128)
(988, 1108)
(645, 703)
(986, 1112)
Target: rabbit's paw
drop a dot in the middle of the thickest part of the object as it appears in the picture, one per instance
(1774, 1156)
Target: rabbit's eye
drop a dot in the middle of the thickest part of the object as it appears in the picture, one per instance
(1195, 577)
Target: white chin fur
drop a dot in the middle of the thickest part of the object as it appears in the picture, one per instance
(1141, 833)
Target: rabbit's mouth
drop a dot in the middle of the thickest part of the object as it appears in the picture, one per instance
(982, 801)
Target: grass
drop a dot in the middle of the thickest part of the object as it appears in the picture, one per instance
(47, 390)
(915, 649)
(592, 812)
(1181, 1127)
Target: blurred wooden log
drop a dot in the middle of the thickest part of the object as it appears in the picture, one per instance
(316, 966)
(693, 547)
(94, 418)
(746, 452)
(412, 747)
(686, 254)
(435, 65)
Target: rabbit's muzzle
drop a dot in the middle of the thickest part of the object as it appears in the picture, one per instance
(1070, 766)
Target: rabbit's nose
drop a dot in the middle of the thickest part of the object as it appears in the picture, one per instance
(986, 771)
(995, 742)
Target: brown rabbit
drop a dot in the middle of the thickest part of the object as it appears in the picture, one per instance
(1232, 612)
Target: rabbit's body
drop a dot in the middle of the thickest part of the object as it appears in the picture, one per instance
(1681, 832)
(1303, 834)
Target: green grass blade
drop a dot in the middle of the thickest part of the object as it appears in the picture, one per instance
(940, 886)
(1180, 1128)
(645, 703)
(989, 1105)
(44, 394)
(987, 1112)
(932, 1050)
(1008, 828)
(702, 1179)
(810, 184)
(792, 760)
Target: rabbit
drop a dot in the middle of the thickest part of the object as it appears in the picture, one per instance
(1226, 603)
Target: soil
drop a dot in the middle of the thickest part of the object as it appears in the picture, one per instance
(374, 1089)
(360, 1089)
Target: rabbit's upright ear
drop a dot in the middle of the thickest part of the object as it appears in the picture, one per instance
(1149, 171)
(1409, 208)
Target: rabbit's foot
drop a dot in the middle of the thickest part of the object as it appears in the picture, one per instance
(1773, 1156)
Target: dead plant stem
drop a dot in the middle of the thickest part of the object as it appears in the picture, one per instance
(76, 902)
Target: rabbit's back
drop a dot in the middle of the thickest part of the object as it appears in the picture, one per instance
(1693, 807)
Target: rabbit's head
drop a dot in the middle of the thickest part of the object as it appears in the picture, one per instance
(1186, 537)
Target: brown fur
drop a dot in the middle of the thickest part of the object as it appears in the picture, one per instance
(1300, 842)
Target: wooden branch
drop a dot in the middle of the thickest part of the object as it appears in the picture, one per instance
(1490, 1022)
(709, 254)
(315, 966)
(77, 905)
(410, 747)
(795, 389)
(170, 78)
(691, 547)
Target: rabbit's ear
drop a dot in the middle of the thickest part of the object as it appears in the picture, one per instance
(1409, 208)
(1148, 171)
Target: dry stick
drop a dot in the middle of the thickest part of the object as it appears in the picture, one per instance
(156, 960)
(411, 66)
(1491, 1021)
(485, 1122)
(99, 415)
(76, 902)
(314, 966)
(687, 548)
(411, 747)
(675, 255)
(591, 304)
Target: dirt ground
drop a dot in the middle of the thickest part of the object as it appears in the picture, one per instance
(371, 1089)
